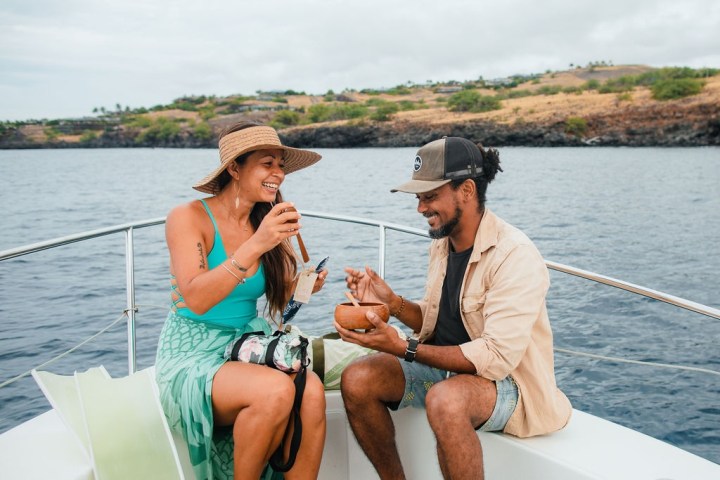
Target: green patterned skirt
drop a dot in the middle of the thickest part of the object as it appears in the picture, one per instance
(188, 356)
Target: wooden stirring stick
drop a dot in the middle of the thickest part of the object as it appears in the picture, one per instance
(352, 299)
(301, 244)
(303, 250)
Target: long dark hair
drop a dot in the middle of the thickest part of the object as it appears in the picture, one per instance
(280, 263)
(490, 168)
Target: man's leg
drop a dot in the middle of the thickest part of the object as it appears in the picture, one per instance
(455, 408)
(367, 385)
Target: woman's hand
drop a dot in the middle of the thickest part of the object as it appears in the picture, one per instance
(320, 281)
(367, 286)
(278, 225)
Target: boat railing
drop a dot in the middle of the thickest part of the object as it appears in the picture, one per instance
(131, 307)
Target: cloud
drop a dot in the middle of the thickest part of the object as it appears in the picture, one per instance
(60, 59)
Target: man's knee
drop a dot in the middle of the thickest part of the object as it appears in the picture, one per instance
(443, 403)
(354, 377)
(460, 399)
(367, 377)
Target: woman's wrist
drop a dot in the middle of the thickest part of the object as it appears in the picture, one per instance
(245, 256)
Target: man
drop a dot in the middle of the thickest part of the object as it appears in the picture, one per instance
(481, 355)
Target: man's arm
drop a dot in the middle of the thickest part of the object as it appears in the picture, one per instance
(406, 311)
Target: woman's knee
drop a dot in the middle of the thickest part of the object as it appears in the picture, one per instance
(313, 403)
(314, 393)
(278, 397)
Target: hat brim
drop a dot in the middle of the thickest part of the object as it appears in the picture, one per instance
(295, 159)
(420, 186)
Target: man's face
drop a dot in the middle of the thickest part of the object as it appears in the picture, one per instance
(442, 209)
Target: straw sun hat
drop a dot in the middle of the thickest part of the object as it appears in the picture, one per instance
(250, 139)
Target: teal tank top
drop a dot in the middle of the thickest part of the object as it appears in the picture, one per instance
(240, 306)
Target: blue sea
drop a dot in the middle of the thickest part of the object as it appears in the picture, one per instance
(649, 216)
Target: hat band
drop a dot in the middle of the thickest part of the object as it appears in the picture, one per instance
(237, 143)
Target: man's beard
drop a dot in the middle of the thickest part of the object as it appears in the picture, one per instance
(447, 228)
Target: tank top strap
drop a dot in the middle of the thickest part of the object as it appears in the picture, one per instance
(217, 254)
(212, 219)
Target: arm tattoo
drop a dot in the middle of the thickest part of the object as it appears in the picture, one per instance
(202, 257)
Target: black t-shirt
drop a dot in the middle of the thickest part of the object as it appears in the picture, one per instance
(450, 329)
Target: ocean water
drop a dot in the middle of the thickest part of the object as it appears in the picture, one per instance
(648, 216)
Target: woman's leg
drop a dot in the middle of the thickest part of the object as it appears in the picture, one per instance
(312, 413)
(256, 401)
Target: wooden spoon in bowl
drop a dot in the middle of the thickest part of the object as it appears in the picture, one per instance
(352, 299)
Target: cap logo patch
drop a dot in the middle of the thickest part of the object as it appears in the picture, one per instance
(418, 163)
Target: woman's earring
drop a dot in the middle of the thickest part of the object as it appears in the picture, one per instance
(237, 195)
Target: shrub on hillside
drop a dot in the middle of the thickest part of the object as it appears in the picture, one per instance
(576, 126)
(88, 136)
(472, 101)
(626, 83)
(323, 112)
(399, 90)
(592, 84)
(384, 111)
(285, 118)
(203, 131)
(676, 88)
(138, 121)
(549, 89)
(162, 130)
(320, 112)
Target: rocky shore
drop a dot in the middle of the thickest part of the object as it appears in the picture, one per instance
(642, 127)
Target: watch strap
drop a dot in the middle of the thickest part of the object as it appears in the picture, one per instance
(411, 349)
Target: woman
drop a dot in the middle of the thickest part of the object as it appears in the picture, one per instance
(226, 251)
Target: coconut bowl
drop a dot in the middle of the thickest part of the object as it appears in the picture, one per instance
(353, 318)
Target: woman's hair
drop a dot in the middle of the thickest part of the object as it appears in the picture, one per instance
(490, 168)
(279, 263)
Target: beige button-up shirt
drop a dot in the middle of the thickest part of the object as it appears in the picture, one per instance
(503, 309)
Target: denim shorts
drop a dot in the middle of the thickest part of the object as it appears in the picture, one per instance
(419, 378)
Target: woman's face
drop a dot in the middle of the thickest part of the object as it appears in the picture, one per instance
(261, 175)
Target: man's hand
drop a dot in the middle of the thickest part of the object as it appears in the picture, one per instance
(382, 337)
(367, 286)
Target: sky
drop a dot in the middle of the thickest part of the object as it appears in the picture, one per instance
(62, 59)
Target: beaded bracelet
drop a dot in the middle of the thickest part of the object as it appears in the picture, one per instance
(240, 280)
(402, 307)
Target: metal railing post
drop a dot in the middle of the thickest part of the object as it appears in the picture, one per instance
(381, 252)
(130, 298)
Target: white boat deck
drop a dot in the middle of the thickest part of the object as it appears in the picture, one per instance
(588, 448)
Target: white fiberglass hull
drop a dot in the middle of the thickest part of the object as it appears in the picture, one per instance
(588, 448)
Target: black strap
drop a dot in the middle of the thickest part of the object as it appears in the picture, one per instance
(270, 352)
(238, 344)
(276, 460)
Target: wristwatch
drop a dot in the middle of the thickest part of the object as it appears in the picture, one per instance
(411, 350)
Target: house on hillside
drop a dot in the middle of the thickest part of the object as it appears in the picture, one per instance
(449, 89)
(499, 82)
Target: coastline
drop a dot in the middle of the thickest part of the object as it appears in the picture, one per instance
(552, 110)
(674, 124)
